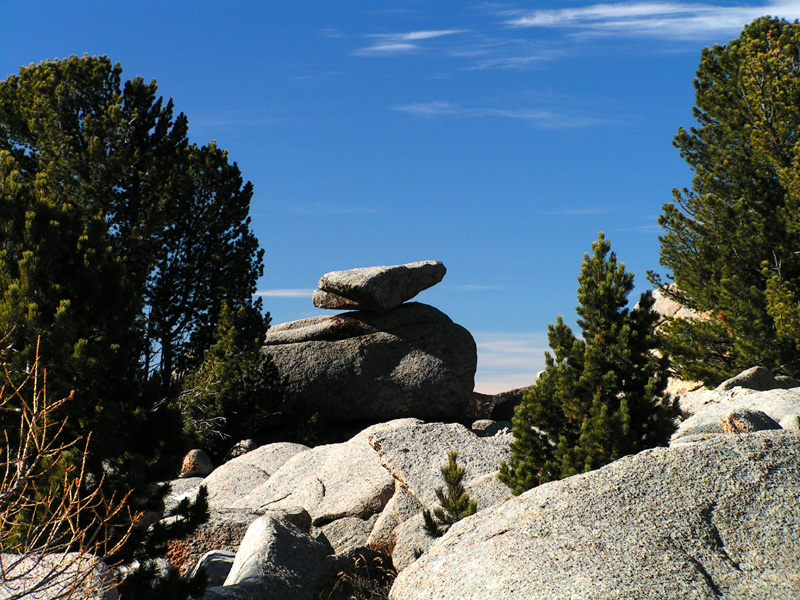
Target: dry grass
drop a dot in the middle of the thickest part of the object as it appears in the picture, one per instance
(53, 528)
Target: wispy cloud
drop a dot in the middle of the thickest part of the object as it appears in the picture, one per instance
(292, 293)
(509, 62)
(543, 118)
(508, 360)
(331, 32)
(652, 19)
(319, 208)
(388, 44)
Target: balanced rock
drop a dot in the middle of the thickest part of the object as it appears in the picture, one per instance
(412, 361)
(710, 520)
(378, 289)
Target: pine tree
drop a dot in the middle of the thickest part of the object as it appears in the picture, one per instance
(119, 243)
(455, 503)
(233, 392)
(601, 396)
(731, 241)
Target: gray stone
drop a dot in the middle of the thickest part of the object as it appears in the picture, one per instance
(711, 413)
(414, 453)
(755, 378)
(668, 308)
(748, 421)
(239, 476)
(331, 482)
(180, 489)
(398, 510)
(714, 520)
(333, 301)
(489, 428)
(216, 564)
(411, 541)
(694, 438)
(786, 382)
(791, 422)
(360, 366)
(479, 426)
(196, 463)
(693, 402)
(378, 289)
(275, 560)
(233, 592)
(57, 575)
(346, 533)
(223, 531)
(241, 447)
(503, 404)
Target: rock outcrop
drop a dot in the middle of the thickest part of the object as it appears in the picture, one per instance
(412, 361)
(734, 406)
(706, 520)
(347, 496)
(414, 453)
(378, 289)
(240, 475)
(712, 516)
(331, 482)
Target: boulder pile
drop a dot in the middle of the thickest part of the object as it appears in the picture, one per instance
(389, 359)
(754, 400)
(299, 510)
(712, 516)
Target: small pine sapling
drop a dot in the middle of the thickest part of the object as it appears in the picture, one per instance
(602, 394)
(455, 503)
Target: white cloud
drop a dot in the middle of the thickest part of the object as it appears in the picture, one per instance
(388, 48)
(428, 109)
(426, 35)
(402, 43)
(653, 19)
(543, 118)
(508, 360)
(510, 62)
(291, 293)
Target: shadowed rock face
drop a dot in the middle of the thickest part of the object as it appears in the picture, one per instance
(377, 289)
(709, 520)
(412, 361)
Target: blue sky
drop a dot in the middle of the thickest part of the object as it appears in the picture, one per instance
(497, 137)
